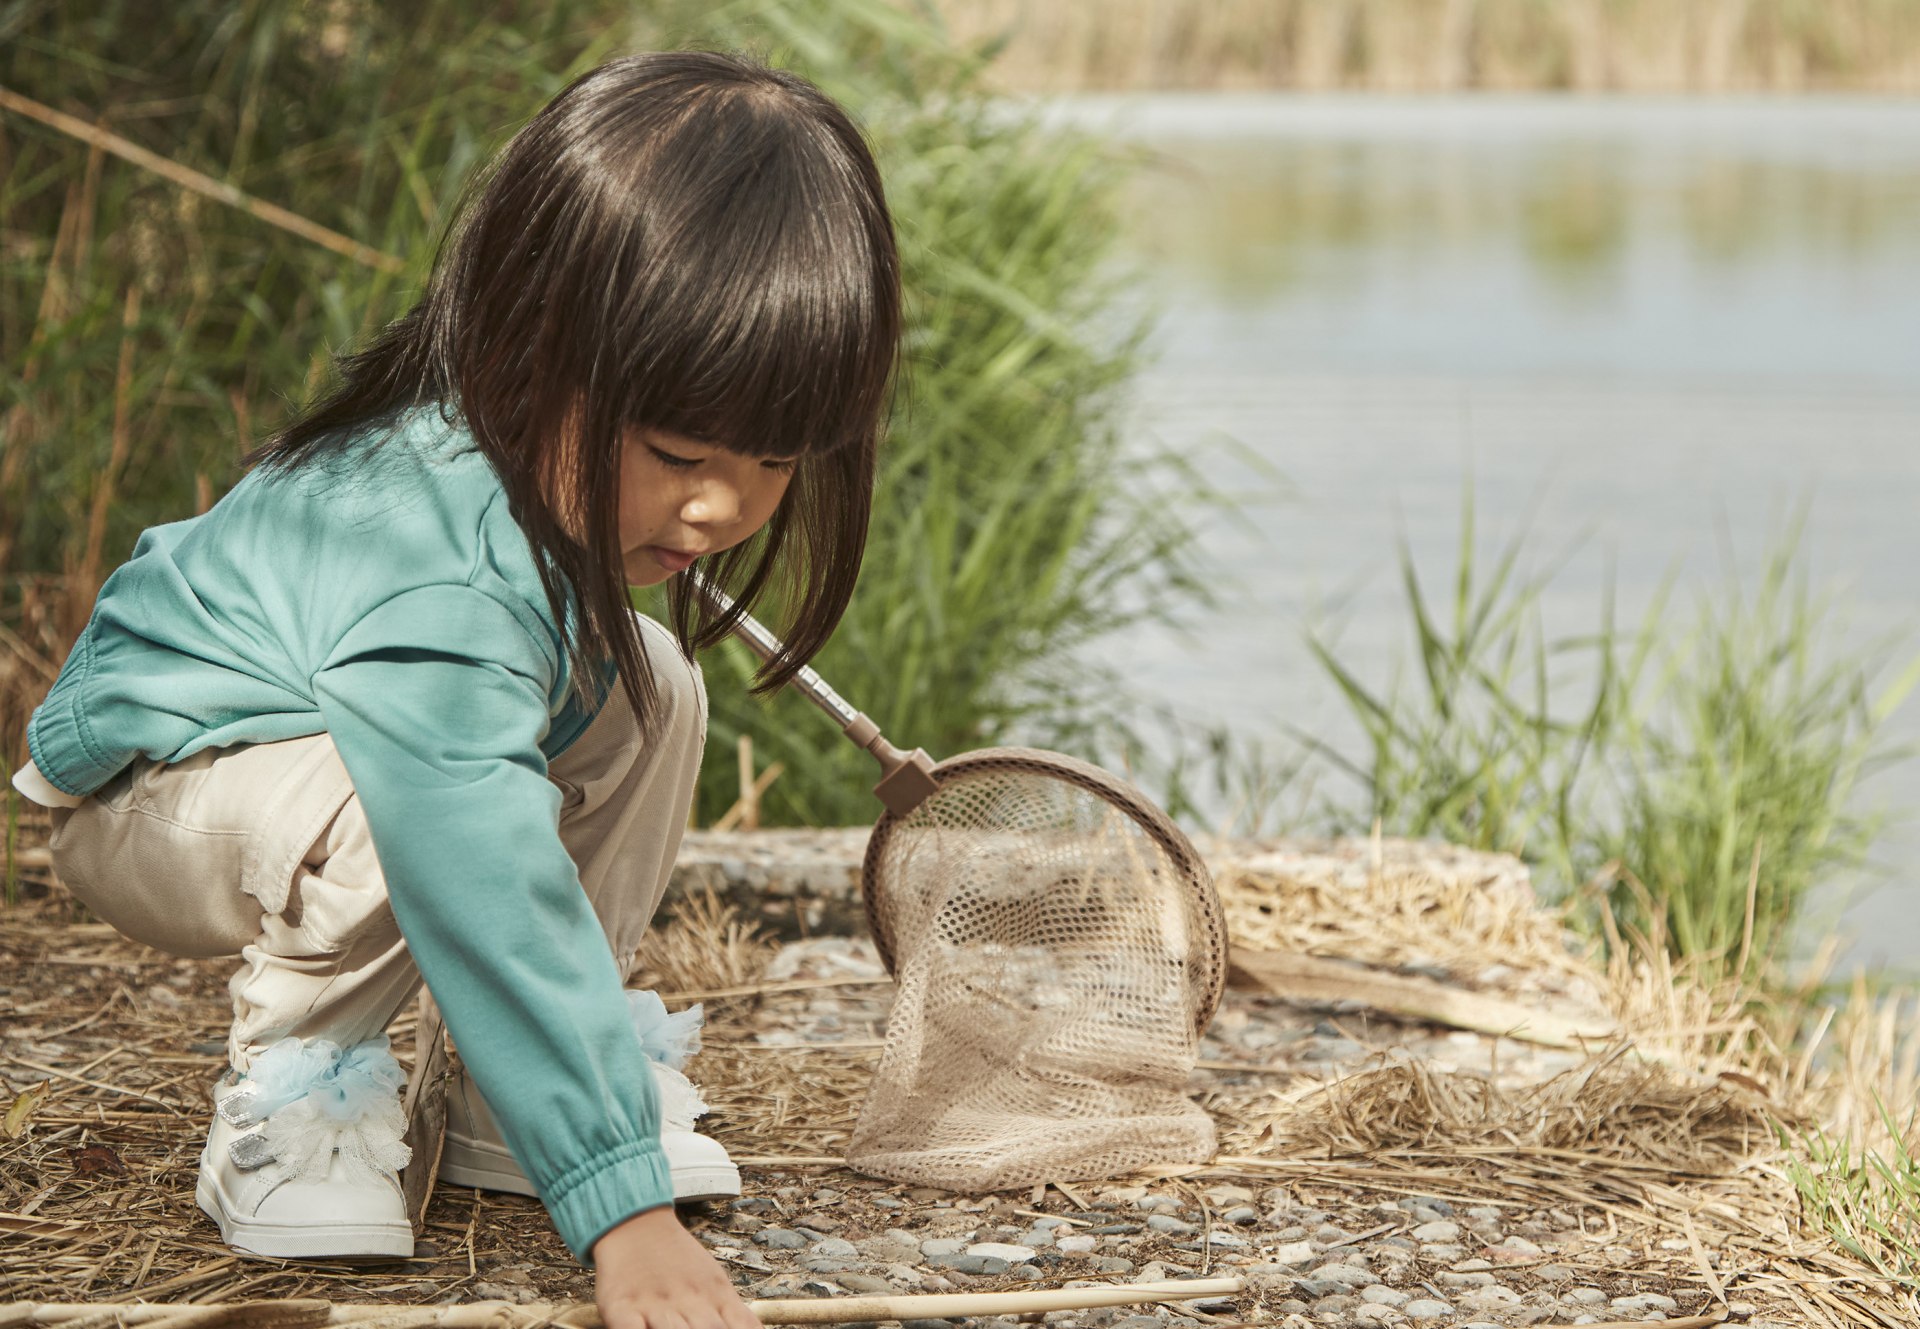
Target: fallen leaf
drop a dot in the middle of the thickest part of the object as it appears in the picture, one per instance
(16, 1119)
(1746, 1082)
(95, 1160)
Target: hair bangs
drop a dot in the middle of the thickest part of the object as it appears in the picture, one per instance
(764, 317)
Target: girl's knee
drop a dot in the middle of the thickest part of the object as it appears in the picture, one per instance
(680, 692)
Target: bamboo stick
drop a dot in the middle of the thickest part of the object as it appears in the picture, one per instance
(311, 1314)
(188, 178)
(582, 1315)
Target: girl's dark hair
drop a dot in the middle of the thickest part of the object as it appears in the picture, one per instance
(683, 241)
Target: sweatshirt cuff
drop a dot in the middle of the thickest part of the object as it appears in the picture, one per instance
(38, 789)
(606, 1192)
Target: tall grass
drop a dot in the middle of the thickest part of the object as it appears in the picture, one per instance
(154, 335)
(159, 334)
(1643, 46)
(1701, 773)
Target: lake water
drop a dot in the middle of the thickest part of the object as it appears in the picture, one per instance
(1643, 331)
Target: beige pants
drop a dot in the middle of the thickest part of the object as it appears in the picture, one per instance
(262, 851)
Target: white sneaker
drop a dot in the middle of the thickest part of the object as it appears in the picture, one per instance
(476, 1155)
(356, 1212)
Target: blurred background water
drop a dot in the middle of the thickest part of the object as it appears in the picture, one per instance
(1645, 332)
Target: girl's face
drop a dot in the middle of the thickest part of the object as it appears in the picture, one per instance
(681, 499)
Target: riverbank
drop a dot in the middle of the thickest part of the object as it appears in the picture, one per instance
(1375, 1169)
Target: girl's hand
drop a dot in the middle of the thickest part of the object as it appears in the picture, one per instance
(650, 1273)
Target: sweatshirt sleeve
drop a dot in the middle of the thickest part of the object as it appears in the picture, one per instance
(437, 703)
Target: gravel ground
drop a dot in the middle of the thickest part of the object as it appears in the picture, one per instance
(96, 1019)
(1326, 1254)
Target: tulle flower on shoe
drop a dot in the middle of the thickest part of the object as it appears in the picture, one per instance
(668, 1039)
(312, 1099)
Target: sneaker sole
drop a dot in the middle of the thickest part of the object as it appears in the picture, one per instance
(489, 1168)
(276, 1241)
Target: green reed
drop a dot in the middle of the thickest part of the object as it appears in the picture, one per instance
(1865, 1196)
(1701, 767)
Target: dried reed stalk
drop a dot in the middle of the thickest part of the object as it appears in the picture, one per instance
(188, 178)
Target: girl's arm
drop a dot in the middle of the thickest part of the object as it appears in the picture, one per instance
(438, 701)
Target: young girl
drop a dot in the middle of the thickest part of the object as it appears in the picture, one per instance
(384, 712)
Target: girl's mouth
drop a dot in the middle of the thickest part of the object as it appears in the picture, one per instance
(673, 560)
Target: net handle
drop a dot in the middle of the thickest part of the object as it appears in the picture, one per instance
(906, 778)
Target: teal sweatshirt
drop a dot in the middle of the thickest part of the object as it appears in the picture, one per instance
(389, 599)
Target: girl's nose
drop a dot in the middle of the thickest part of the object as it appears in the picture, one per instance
(713, 504)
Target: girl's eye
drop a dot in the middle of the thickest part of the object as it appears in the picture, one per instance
(674, 460)
(784, 466)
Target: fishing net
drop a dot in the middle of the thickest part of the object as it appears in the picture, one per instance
(1058, 948)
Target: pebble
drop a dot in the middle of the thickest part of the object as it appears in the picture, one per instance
(835, 1248)
(1000, 1250)
(869, 1284)
(1641, 1304)
(1442, 1232)
(1347, 1275)
(936, 1247)
(1490, 1298)
(976, 1264)
(1244, 1215)
(1428, 1309)
(1298, 1252)
(1076, 1244)
(1382, 1295)
(780, 1238)
(1330, 1049)
(1168, 1223)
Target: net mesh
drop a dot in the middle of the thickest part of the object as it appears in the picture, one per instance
(1058, 948)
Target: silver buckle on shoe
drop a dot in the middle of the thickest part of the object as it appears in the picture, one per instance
(236, 1109)
(250, 1151)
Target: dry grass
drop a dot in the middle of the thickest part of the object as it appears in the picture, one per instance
(1642, 46)
(1670, 1161)
(1402, 904)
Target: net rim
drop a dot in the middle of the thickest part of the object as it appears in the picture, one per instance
(1105, 785)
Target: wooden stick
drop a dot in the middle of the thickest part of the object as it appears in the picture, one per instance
(960, 1305)
(311, 1314)
(1310, 977)
(499, 1315)
(188, 178)
(748, 804)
